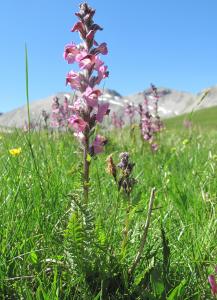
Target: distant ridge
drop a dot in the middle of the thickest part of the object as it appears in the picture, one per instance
(172, 103)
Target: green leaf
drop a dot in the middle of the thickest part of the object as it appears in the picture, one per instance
(177, 291)
(34, 257)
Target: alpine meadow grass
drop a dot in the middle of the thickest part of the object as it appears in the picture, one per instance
(55, 247)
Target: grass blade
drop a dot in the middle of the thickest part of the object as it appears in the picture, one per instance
(27, 86)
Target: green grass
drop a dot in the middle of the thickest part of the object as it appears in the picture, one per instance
(201, 119)
(54, 247)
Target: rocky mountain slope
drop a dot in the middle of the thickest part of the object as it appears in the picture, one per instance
(171, 103)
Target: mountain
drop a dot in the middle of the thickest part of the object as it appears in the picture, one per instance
(171, 103)
(18, 117)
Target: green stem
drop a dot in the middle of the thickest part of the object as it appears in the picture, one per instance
(127, 225)
(145, 233)
(86, 165)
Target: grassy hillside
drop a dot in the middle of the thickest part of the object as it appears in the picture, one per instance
(201, 119)
(54, 247)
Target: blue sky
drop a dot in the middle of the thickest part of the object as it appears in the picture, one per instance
(172, 43)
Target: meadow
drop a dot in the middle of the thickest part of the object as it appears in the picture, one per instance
(203, 119)
(54, 246)
(89, 212)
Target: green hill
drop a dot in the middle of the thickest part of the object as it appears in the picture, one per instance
(201, 119)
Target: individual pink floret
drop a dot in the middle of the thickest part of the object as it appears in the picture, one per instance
(79, 26)
(70, 53)
(77, 123)
(103, 110)
(91, 96)
(75, 80)
(87, 62)
(99, 143)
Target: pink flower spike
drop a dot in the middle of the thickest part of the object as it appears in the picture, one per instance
(213, 284)
(77, 123)
(82, 113)
(70, 53)
(102, 111)
(66, 104)
(99, 143)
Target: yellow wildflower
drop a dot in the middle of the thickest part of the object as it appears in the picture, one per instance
(15, 151)
(185, 142)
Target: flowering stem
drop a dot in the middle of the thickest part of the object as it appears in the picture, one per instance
(86, 169)
(86, 110)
